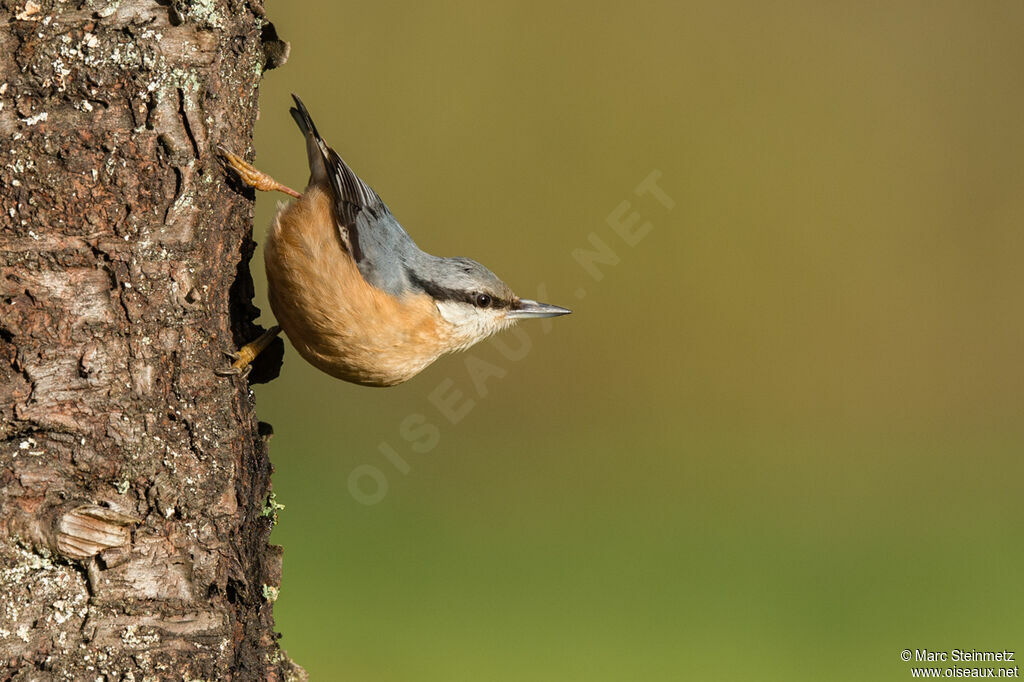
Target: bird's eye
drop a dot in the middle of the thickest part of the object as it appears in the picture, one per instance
(483, 301)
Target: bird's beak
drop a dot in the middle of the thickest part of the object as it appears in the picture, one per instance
(528, 308)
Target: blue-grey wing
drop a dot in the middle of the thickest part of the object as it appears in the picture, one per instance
(378, 244)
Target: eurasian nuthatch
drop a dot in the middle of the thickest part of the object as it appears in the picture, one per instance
(355, 295)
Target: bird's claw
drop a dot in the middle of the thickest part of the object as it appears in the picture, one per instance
(252, 176)
(236, 369)
(241, 360)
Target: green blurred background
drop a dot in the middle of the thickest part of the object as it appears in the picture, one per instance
(779, 439)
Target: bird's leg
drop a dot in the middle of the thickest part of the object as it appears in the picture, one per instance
(247, 353)
(253, 177)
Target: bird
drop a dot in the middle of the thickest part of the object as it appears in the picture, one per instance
(355, 295)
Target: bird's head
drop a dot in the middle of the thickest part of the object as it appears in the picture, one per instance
(473, 301)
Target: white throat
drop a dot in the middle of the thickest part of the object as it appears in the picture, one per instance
(469, 323)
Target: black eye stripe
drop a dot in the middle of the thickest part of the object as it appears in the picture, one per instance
(441, 293)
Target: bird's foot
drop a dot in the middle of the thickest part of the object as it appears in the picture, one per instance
(252, 176)
(242, 359)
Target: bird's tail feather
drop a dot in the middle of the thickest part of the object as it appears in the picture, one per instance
(316, 148)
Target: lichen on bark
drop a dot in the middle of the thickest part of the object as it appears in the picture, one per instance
(132, 478)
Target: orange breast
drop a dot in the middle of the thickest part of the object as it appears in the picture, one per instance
(334, 318)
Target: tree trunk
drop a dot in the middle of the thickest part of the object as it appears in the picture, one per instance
(134, 482)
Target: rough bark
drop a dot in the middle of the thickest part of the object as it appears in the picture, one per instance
(134, 483)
